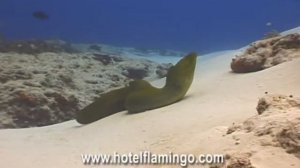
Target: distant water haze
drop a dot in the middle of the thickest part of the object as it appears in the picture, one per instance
(203, 26)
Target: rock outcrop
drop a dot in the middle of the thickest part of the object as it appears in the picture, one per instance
(235, 160)
(277, 123)
(49, 87)
(267, 53)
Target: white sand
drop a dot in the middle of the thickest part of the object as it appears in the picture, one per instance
(196, 124)
(294, 30)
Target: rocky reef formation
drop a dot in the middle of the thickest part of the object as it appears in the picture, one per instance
(267, 53)
(36, 46)
(130, 51)
(49, 87)
(277, 123)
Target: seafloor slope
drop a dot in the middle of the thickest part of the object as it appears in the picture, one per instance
(218, 115)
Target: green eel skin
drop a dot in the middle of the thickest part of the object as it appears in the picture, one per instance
(140, 95)
(179, 78)
(108, 104)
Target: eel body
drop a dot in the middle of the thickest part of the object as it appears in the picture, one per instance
(179, 78)
(140, 95)
(108, 104)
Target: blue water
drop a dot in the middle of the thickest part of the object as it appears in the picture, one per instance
(198, 25)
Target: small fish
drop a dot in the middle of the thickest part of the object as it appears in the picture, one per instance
(269, 24)
(41, 15)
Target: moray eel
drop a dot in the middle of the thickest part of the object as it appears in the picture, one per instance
(108, 104)
(140, 95)
(143, 96)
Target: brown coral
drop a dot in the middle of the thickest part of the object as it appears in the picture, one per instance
(267, 53)
(236, 160)
(278, 123)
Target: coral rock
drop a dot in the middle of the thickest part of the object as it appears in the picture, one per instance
(250, 63)
(48, 87)
(267, 53)
(277, 125)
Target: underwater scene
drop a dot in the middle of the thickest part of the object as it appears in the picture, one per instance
(115, 83)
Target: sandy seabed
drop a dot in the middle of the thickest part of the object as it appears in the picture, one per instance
(217, 101)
